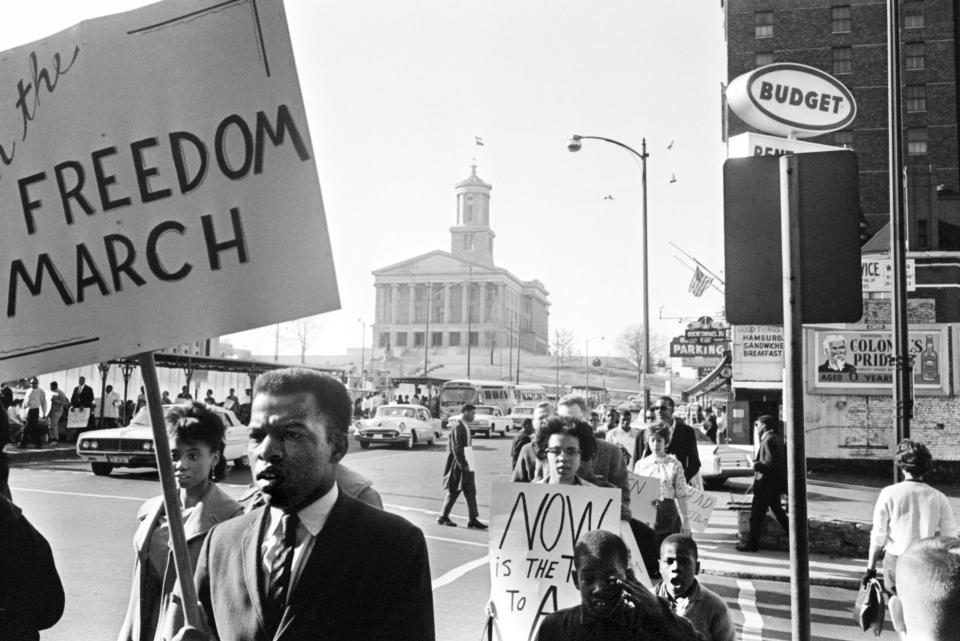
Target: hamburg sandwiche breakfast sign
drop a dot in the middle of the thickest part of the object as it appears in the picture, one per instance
(157, 185)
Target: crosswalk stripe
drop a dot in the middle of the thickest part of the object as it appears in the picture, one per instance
(459, 571)
(752, 621)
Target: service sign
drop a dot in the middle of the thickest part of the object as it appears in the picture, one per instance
(860, 361)
(157, 185)
(790, 99)
(751, 143)
(877, 274)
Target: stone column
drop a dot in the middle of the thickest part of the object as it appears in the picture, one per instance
(446, 302)
(465, 303)
(411, 303)
(484, 317)
(394, 303)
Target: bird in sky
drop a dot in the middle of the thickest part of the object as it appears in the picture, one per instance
(673, 178)
(670, 146)
(608, 197)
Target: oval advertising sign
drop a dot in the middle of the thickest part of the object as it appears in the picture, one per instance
(787, 98)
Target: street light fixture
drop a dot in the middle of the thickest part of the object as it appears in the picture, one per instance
(575, 145)
(586, 360)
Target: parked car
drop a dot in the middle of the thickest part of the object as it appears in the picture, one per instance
(488, 420)
(519, 414)
(719, 462)
(133, 446)
(398, 424)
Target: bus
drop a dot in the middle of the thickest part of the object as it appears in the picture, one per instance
(531, 394)
(457, 393)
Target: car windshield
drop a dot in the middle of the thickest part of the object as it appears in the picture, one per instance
(396, 412)
(527, 411)
(484, 409)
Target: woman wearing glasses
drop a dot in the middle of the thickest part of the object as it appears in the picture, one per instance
(672, 503)
(566, 444)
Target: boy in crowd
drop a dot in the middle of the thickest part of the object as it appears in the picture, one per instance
(679, 567)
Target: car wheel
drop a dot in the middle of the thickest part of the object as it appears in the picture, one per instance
(101, 469)
(411, 441)
(364, 445)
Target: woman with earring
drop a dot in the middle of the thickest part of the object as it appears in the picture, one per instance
(196, 446)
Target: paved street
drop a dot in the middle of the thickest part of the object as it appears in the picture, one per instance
(90, 521)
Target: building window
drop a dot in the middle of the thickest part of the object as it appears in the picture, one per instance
(401, 339)
(436, 339)
(384, 339)
(763, 24)
(917, 141)
(913, 15)
(842, 60)
(913, 55)
(468, 210)
(474, 339)
(843, 139)
(916, 98)
(763, 58)
(468, 242)
(418, 339)
(841, 19)
(923, 239)
(453, 340)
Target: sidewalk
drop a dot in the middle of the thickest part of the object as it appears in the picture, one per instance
(49, 452)
(829, 496)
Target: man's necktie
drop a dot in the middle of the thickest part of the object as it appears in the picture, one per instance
(281, 570)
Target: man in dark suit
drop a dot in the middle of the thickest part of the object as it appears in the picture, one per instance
(82, 394)
(770, 481)
(312, 563)
(683, 440)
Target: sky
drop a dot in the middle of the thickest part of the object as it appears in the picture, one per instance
(397, 92)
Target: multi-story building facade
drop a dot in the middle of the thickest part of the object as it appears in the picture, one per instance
(441, 300)
(848, 40)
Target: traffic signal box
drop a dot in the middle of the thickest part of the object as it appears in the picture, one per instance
(827, 195)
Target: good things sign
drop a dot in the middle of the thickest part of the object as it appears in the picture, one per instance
(791, 99)
(157, 185)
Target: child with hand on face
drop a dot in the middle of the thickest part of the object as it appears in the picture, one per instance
(679, 567)
(614, 605)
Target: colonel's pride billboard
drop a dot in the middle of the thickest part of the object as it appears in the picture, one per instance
(157, 185)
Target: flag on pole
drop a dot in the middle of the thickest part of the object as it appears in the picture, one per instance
(699, 282)
(478, 140)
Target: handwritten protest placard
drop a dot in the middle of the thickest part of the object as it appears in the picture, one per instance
(533, 530)
(644, 491)
(157, 185)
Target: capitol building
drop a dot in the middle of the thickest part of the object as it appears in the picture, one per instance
(442, 300)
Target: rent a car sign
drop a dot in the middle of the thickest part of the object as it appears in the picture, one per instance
(157, 185)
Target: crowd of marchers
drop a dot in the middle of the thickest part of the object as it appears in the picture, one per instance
(309, 553)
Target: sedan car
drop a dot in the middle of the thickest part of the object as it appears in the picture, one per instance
(488, 420)
(519, 414)
(133, 446)
(721, 461)
(398, 424)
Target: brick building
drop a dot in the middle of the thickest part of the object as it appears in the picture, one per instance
(847, 39)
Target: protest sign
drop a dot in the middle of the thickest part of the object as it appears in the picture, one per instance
(157, 185)
(78, 418)
(699, 508)
(533, 530)
(644, 491)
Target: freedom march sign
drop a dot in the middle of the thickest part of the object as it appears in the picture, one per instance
(157, 185)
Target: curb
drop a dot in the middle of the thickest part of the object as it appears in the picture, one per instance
(829, 582)
(17, 457)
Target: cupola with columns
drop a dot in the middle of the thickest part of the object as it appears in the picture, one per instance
(472, 238)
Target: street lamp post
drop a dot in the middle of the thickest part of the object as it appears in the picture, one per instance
(469, 314)
(363, 352)
(586, 360)
(575, 145)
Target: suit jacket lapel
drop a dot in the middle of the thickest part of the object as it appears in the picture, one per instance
(252, 576)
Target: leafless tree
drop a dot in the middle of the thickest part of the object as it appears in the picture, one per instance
(562, 344)
(630, 344)
(301, 332)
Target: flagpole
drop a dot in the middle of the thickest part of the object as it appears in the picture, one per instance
(713, 282)
(705, 268)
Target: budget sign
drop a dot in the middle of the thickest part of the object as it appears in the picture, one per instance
(157, 185)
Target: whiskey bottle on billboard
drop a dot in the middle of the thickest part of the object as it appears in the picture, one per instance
(929, 363)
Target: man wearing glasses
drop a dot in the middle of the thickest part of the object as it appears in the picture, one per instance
(683, 441)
